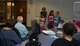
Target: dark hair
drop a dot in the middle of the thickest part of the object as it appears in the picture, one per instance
(33, 40)
(43, 8)
(50, 14)
(74, 20)
(33, 36)
(69, 29)
(57, 12)
(9, 23)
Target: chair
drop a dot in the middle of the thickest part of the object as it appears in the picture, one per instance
(17, 32)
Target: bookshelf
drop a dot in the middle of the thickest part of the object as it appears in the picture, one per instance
(2, 11)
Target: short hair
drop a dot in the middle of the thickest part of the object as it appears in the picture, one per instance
(43, 8)
(19, 18)
(9, 23)
(51, 13)
(57, 12)
(69, 29)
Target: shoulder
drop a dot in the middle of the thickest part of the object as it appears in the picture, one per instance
(58, 42)
(76, 42)
(18, 24)
(76, 36)
(59, 39)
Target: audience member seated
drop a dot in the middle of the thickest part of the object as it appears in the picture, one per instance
(9, 34)
(36, 26)
(33, 40)
(68, 31)
(45, 40)
(21, 28)
(77, 35)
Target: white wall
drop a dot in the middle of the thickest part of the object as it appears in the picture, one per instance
(64, 6)
(30, 12)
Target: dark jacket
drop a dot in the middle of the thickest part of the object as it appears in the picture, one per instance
(10, 37)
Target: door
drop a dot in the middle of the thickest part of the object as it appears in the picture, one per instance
(21, 9)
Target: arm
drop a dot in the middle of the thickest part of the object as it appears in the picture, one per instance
(59, 18)
(25, 31)
(15, 38)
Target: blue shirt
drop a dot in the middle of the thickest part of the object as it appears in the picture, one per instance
(22, 29)
(58, 18)
(10, 37)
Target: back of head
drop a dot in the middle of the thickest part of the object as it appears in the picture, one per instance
(9, 23)
(69, 29)
(57, 12)
(51, 13)
(33, 37)
(19, 18)
(33, 40)
(43, 8)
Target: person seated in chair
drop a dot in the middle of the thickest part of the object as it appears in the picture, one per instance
(9, 34)
(21, 28)
(68, 31)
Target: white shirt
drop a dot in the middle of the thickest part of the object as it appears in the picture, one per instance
(60, 25)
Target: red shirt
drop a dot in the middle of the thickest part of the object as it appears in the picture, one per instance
(51, 20)
(78, 23)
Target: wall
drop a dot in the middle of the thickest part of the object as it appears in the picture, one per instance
(30, 12)
(64, 6)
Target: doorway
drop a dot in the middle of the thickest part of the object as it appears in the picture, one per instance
(21, 10)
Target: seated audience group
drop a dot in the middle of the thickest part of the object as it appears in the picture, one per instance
(10, 36)
(69, 29)
(14, 34)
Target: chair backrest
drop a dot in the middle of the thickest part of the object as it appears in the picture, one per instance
(17, 32)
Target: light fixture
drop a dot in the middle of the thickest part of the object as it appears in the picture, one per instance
(8, 3)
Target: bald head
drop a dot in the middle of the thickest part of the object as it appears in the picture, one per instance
(20, 19)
